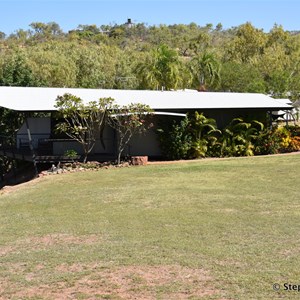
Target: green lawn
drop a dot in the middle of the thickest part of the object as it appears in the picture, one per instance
(209, 229)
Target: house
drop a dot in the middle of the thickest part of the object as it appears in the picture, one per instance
(284, 115)
(37, 133)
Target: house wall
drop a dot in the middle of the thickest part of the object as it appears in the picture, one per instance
(60, 147)
(224, 117)
(40, 128)
(144, 144)
(148, 144)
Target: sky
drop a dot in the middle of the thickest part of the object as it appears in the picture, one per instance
(263, 14)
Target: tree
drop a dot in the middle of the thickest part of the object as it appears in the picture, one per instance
(248, 44)
(15, 71)
(2, 35)
(128, 120)
(53, 62)
(160, 70)
(205, 69)
(46, 31)
(241, 78)
(82, 122)
(201, 43)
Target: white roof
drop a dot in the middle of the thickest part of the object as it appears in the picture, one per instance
(44, 99)
(286, 101)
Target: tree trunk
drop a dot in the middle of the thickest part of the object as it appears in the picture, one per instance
(119, 158)
(85, 159)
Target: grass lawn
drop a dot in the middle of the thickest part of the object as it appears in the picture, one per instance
(209, 229)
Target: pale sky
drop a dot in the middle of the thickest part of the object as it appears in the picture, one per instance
(18, 14)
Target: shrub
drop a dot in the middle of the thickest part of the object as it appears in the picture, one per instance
(295, 143)
(204, 134)
(175, 138)
(268, 142)
(71, 154)
(278, 140)
(239, 138)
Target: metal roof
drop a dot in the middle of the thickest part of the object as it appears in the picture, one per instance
(44, 99)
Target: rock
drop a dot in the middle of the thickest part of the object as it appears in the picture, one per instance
(139, 160)
(59, 171)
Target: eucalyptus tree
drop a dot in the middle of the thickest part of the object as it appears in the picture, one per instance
(53, 64)
(2, 35)
(125, 63)
(247, 45)
(15, 70)
(45, 31)
(241, 78)
(279, 62)
(95, 66)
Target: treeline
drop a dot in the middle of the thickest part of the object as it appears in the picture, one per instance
(136, 56)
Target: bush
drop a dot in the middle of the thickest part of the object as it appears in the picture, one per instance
(204, 135)
(278, 140)
(239, 138)
(268, 142)
(174, 138)
(197, 136)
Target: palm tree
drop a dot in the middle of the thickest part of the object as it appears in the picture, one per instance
(160, 70)
(204, 135)
(206, 69)
(239, 136)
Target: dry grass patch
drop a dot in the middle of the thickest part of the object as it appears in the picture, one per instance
(127, 282)
(46, 241)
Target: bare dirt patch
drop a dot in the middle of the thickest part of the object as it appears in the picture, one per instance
(128, 282)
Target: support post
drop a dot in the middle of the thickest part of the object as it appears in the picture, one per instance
(31, 146)
(270, 119)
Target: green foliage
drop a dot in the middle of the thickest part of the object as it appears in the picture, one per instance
(160, 70)
(71, 153)
(278, 140)
(16, 71)
(10, 122)
(268, 142)
(239, 138)
(175, 138)
(82, 121)
(205, 69)
(204, 135)
(240, 59)
(238, 77)
(197, 136)
(248, 44)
